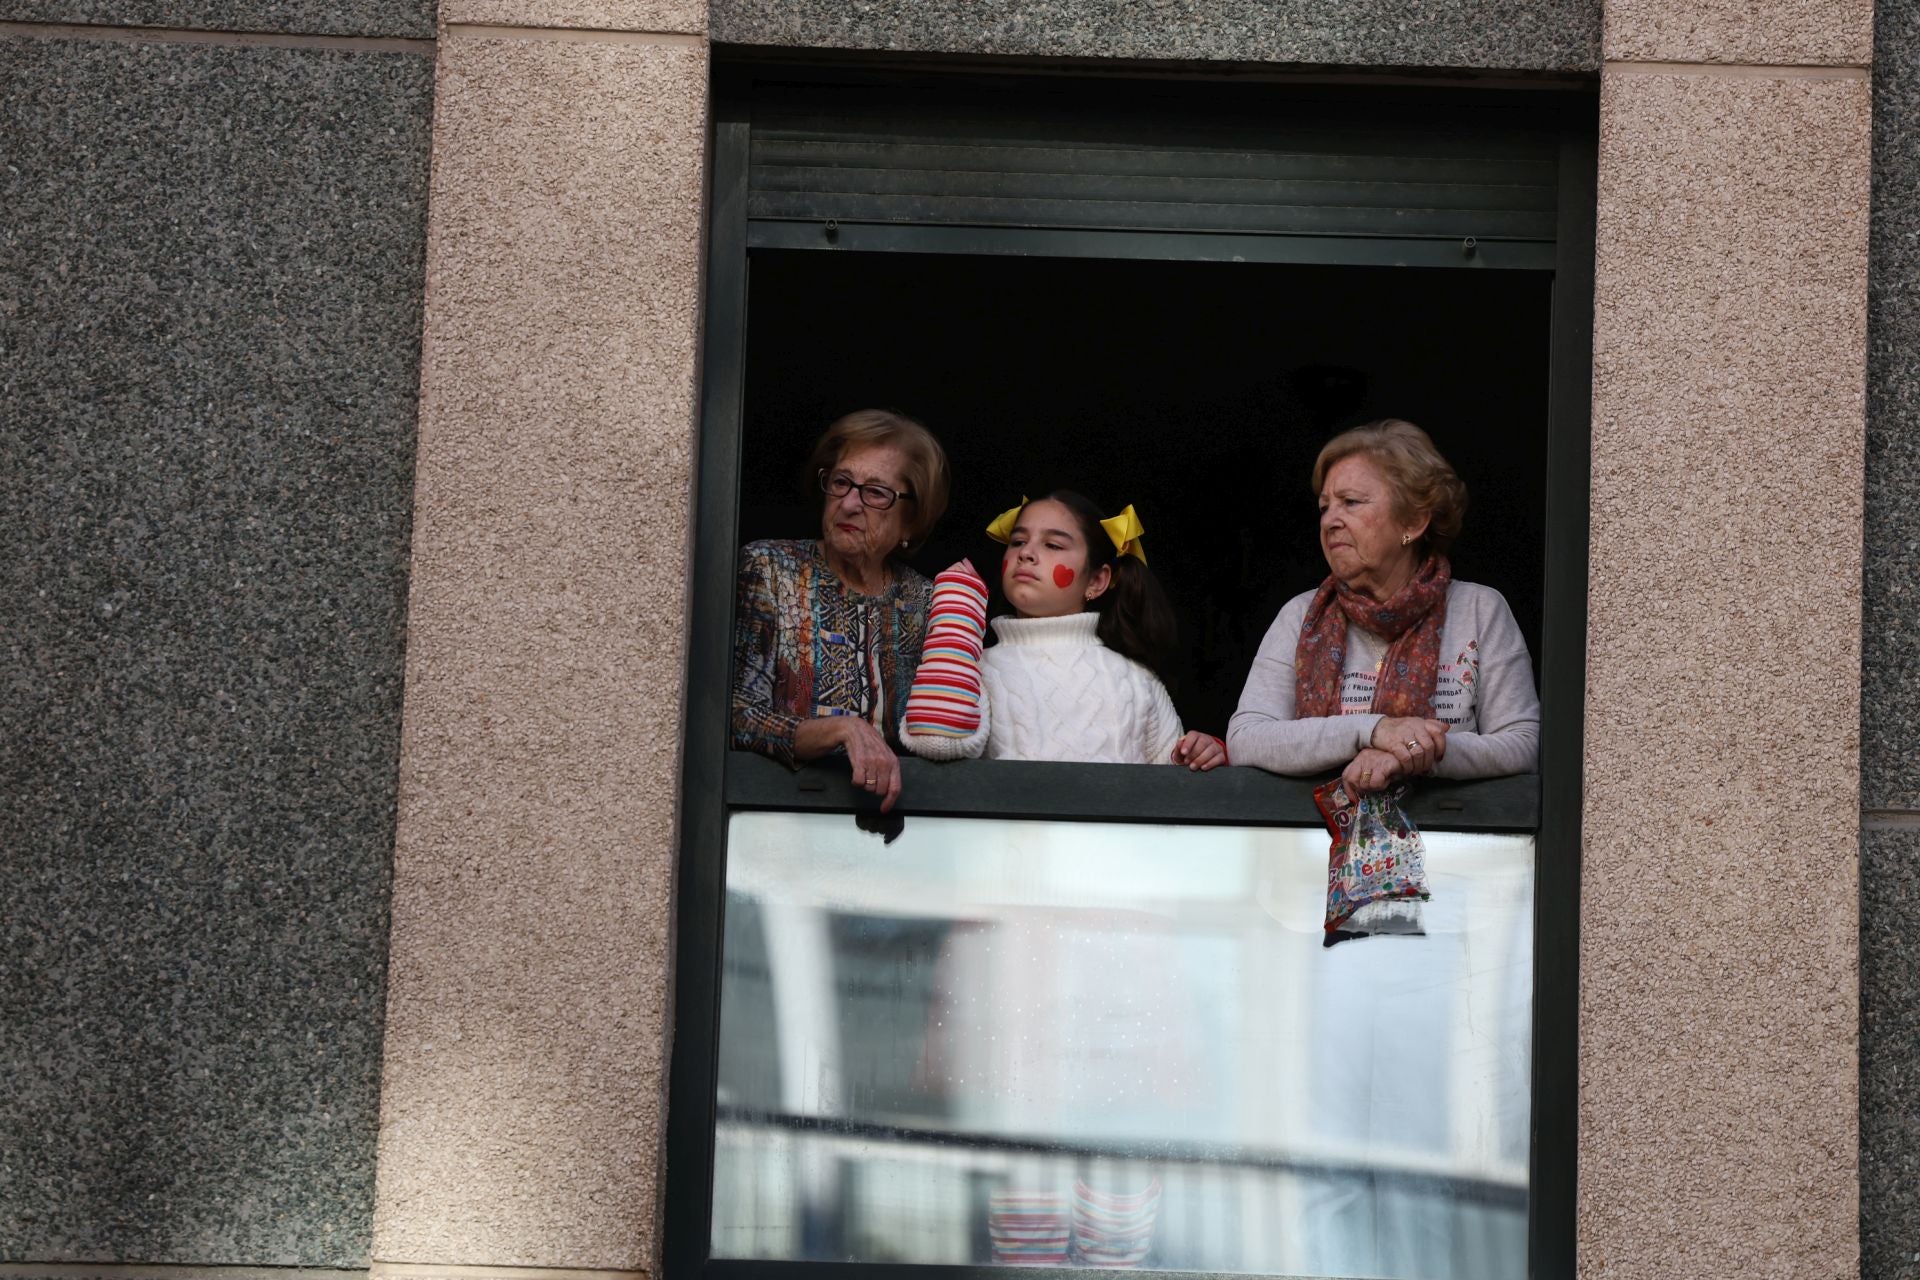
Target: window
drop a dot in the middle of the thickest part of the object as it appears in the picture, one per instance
(1199, 391)
(962, 1034)
(1095, 995)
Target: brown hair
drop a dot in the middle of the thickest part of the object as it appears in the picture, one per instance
(1422, 480)
(926, 469)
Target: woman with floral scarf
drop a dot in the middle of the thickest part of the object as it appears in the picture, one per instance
(1390, 669)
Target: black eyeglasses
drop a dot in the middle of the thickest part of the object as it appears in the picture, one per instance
(877, 496)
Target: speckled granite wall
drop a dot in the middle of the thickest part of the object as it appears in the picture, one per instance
(209, 317)
(1890, 702)
(1890, 1055)
(683, 17)
(291, 17)
(523, 1100)
(1890, 692)
(1719, 1071)
(1767, 33)
(1520, 35)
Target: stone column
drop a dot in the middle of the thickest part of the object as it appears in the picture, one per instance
(212, 227)
(523, 1097)
(1890, 675)
(1719, 936)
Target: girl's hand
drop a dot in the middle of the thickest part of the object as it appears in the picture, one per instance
(963, 567)
(875, 767)
(1200, 751)
(1372, 770)
(1416, 743)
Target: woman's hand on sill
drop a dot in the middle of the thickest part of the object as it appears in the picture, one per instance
(875, 768)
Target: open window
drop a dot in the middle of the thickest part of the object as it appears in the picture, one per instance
(1079, 1014)
(1198, 391)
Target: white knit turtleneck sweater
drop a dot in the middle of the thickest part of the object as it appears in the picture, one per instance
(1051, 691)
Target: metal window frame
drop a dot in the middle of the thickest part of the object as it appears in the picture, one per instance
(716, 781)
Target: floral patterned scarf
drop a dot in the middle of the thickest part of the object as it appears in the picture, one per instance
(1411, 622)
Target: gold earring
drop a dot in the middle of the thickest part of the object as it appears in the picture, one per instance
(1405, 538)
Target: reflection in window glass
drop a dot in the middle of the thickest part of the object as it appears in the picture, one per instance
(1117, 1044)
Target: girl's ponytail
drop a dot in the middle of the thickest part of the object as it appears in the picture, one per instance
(1135, 619)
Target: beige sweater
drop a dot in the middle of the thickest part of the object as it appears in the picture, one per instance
(1485, 693)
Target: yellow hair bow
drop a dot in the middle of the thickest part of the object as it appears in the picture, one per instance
(1125, 529)
(1001, 530)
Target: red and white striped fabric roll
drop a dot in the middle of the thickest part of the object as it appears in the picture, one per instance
(945, 699)
(1028, 1228)
(1113, 1230)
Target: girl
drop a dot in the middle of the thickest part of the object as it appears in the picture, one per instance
(1071, 677)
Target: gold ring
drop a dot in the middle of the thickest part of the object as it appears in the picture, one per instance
(869, 779)
(1366, 775)
(1412, 745)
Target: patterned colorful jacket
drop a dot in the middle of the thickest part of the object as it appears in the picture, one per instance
(804, 646)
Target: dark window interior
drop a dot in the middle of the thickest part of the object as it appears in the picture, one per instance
(1199, 392)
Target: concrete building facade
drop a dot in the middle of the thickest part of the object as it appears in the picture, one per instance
(353, 403)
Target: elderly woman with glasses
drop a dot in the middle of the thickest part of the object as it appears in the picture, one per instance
(828, 630)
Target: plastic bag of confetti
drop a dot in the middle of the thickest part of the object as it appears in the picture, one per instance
(1376, 867)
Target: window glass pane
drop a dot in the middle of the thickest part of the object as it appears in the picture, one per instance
(1124, 1043)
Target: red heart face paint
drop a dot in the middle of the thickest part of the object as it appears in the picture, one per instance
(1046, 561)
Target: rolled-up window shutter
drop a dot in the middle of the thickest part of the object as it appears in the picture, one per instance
(1261, 165)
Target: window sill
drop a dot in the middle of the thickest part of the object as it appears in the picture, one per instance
(1234, 796)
